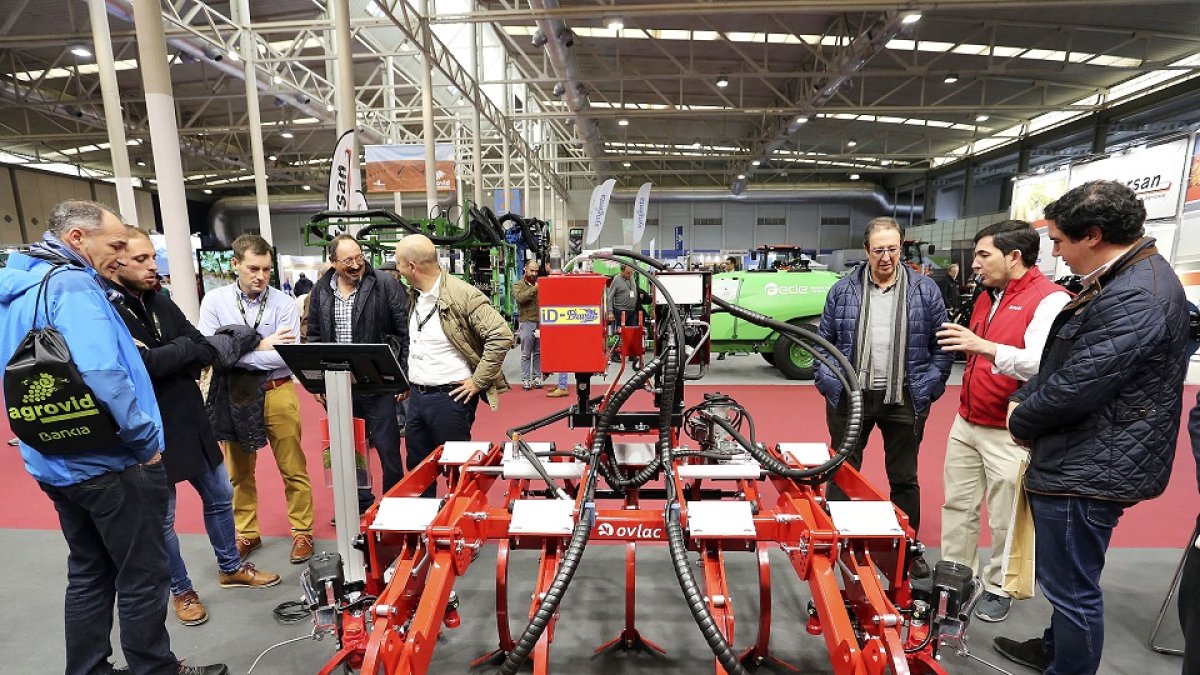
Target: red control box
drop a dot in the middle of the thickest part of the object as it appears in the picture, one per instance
(571, 318)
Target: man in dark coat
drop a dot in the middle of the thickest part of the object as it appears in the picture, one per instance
(174, 353)
(1101, 415)
(884, 317)
(353, 304)
(1189, 583)
(303, 286)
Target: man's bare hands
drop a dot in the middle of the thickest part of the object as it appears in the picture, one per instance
(955, 338)
(283, 336)
(465, 390)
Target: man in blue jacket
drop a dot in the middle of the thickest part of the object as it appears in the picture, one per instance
(884, 317)
(1101, 415)
(111, 503)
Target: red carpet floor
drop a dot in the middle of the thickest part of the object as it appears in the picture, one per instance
(781, 414)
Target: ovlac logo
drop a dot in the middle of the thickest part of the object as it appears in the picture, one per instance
(772, 289)
(608, 530)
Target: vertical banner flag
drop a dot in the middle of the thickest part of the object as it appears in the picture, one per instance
(641, 205)
(598, 209)
(342, 183)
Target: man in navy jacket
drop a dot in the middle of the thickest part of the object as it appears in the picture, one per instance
(1101, 415)
(884, 317)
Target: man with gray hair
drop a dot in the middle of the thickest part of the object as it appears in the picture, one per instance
(111, 501)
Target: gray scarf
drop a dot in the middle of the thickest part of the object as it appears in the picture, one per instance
(894, 392)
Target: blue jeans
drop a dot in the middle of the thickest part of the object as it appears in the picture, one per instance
(433, 419)
(380, 412)
(1072, 539)
(113, 527)
(216, 495)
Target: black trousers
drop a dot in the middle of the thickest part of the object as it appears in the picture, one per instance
(433, 419)
(902, 431)
(1189, 606)
(383, 432)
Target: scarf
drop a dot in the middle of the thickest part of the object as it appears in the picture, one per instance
(894, 391)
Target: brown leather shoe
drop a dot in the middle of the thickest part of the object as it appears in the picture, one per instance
(189, 609)
(557, 393)
(302, 548)
(246, 544)
(247, 577)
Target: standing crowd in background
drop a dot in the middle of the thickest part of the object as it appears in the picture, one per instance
(1070, 403)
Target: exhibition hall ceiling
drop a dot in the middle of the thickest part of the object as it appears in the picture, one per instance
(691, 94)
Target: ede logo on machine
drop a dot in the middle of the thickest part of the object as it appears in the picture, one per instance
(772, 289)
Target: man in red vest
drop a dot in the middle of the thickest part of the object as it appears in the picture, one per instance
(1003, 345)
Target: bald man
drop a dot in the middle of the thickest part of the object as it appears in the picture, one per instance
(456, 347)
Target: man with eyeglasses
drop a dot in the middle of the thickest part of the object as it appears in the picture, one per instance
(353, 304)
(884, 317)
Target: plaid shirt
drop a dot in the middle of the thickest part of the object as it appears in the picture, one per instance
(343, 312)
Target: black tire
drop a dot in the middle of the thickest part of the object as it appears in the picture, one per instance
(795, 362)
(769, 357)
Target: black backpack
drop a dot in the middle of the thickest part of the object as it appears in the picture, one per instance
(50, 408)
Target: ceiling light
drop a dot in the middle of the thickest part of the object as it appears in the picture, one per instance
(306, 187)
(277, 79)
(911, 18)
(755, 163)
(626, 164)
(801, 119)
(206, 191)
(741, 176)
(287, 134)
(696, 144)
(81, 51)
(140, 162)
(329, 107)
(233, 56)
(851, 143)
(951, 78)
(272, 158)
(981, 118)
(133, 141)
(854, 176)
(615, 23)
(622, 122)
(722, 81)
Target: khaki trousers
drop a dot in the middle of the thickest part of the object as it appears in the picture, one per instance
(282, 414)
(980, 461)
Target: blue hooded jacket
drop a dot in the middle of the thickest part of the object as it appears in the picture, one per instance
(103, 351)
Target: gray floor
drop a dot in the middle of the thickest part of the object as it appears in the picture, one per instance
(242, 624)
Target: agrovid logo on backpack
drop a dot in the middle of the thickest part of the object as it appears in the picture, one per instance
(41, 405)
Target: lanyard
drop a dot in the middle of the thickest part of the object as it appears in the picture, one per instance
(262, 307)
(421, 322)
(156, 329)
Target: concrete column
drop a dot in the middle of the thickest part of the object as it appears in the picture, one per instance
(506, 160)
(431, 198)
(168, 166)
(344, 82)
(241, 16)
(476, 103)
(102, 46)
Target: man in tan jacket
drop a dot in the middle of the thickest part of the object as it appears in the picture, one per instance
(452, 361)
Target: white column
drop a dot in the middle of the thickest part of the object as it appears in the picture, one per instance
(476, 101)
(168, 165)
(344, 82)
(102, 45)
(241, 16)
(506, 160)
(427, 109)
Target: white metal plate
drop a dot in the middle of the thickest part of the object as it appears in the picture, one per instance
(405, 514)
(521, 469)
(633, 454)
(536, 446)
(460, 452)
(805, 454)
(685, 289)
(710, 520)
(740, 471)
(865, 518)
(542, 516)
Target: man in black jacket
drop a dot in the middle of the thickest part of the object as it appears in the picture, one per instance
(1101, 415)
(1189, 583)
(174, 352)
(352, 303)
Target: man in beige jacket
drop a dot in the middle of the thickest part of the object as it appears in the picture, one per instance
(453, 361)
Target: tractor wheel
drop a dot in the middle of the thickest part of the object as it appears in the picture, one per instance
(794, 361)
(769, 357)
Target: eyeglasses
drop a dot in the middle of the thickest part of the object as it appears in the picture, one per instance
(354, 260)
(890, 251)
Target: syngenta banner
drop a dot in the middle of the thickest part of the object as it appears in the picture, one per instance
(598, 209)
(641, 206)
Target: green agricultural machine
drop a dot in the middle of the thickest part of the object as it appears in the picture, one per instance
(783, 286)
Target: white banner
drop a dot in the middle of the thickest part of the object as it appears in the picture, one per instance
(401, 168)
(342, 181)
(1155, 174)
(598, 209)
(1031, 194)
(641, 206)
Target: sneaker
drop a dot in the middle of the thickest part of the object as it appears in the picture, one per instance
(302, 548)
(918, 568)
(537, 383)
(526, 385)
(189, 609)
(557, 393)
(993, 607)
(247, 577)
(247, 544)
(1030, 653)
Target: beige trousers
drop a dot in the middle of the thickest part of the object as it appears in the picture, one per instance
(980, 461)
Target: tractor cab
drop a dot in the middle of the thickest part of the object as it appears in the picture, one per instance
(783, 258)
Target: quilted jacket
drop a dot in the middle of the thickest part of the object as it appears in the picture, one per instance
(1103, 411)
(927, 366)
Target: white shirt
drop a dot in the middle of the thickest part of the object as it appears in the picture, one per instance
(432, 358)
(1021, 363)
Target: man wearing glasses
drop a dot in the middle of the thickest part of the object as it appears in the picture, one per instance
(884, 317)
(353, 304)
